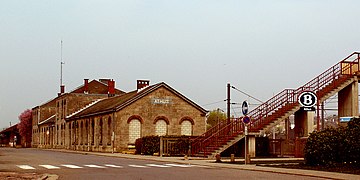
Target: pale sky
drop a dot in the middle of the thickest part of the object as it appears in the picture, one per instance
(196, 46)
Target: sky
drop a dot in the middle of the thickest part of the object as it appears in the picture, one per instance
(261, 46)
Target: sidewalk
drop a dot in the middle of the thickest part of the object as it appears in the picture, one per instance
(211, 163)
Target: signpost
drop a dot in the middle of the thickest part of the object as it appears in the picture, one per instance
(246, 120)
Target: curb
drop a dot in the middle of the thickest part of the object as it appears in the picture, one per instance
(208, 162)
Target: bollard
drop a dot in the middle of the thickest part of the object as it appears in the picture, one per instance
(232, 158)
(218, 158)
(248, 161)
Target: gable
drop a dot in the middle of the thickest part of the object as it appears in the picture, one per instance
(162, 94)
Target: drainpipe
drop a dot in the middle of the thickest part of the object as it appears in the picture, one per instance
(113, 132)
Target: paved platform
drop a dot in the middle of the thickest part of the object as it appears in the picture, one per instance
(211, 163)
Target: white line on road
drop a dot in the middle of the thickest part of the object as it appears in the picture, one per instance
(94, 166)
(113, 166)
(137, 166)
(25, 167)
(157, 165)
(178, 165)
(71, 166)
(49, 167)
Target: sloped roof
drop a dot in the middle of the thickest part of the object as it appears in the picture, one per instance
(119, 102)
(95, 87)
(50, 120)
(9, 129)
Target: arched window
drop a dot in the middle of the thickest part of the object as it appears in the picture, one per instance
(101, 131)
(92, 131)
(160, 127)
(86, 132)
(187, 124)
(81, 133)
(186, 128)
(134, 130)
(109, 131)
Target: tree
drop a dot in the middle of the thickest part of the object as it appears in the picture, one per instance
(25, 126)
(215, 116)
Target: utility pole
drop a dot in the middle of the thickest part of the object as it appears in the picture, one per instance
(228, 103)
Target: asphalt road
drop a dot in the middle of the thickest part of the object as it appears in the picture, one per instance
(83, 166)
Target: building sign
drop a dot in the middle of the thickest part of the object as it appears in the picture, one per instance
(161, 101)
(307, 100)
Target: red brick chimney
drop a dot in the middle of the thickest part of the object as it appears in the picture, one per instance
(86, 86)
(111, 88)
(142, 83)
(62, 90)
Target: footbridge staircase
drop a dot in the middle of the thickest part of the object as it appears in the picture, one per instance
(278, 108)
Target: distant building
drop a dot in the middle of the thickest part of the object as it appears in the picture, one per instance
(10, 136)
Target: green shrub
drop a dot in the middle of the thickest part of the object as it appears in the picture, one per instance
(138, 144)
(149, 145)
(324, 147)
(332, 146)
(352, 150)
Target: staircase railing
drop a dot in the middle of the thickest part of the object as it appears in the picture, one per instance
(278, 105)
(287, 99)
(218, 138)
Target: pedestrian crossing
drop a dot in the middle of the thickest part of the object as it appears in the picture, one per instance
(73, 166)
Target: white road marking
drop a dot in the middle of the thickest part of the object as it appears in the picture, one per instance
(49, 167)
(113, 166)
(71, 166)
(25, 167)
(208, 167)
(94, 166)
(157, 165)
(178, 165)
(137, 166)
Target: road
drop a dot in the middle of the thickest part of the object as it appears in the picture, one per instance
(82, 166)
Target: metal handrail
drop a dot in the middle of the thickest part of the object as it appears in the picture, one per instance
(280, 103)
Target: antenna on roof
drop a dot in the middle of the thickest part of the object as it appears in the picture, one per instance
(61, 65)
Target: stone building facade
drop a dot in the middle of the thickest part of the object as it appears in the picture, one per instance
(113, 124)
(49, 127)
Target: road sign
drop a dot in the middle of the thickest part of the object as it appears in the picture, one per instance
(246, 119)
(307, 100)
(245, 108)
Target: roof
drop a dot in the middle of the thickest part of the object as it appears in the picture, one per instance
(49, 120)
(9, 129)
(119, 102)
(95, 87)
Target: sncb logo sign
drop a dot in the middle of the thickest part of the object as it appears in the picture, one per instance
(307, 99)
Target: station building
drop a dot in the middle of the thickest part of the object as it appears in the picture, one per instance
(111, 122)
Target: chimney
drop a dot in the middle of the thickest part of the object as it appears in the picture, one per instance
(86, 86)
(142, 83)
(62, 90)
(111, 88)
